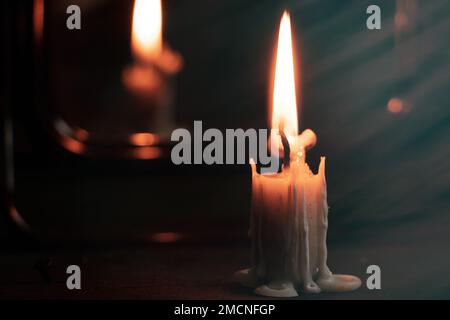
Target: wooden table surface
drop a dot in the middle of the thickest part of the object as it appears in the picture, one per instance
(201, 271)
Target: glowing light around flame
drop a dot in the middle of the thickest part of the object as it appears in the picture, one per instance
(146, 38)
(284, 108)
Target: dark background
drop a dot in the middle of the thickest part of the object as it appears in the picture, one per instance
(387, 173)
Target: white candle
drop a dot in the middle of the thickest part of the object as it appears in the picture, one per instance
(289, 217)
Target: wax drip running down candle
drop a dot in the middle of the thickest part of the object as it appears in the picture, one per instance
(289, 216)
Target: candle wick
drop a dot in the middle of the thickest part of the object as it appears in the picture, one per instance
(286, 146)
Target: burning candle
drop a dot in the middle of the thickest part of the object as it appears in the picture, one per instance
(148, 78)
(289, 217)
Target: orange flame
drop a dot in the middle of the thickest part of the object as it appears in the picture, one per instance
(146, 37)
(284, 108)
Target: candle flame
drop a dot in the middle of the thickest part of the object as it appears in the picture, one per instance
(146, 38)
(284, 108)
